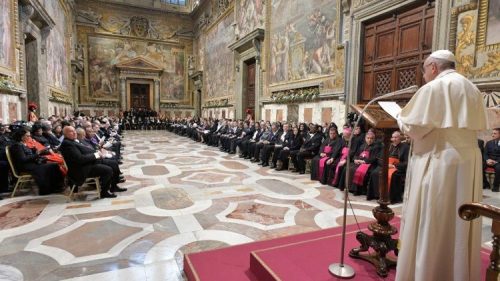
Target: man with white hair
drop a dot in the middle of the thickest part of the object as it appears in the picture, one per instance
(444, 172)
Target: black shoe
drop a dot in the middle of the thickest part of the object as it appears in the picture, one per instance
(120, 162)
(122, 180)
(265, 164)
(495, 189)
(106, 194)
(272, 166)
(118, 189)
(302, 172)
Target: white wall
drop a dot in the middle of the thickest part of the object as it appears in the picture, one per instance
(60, 109)
(338, 111)
(218, 112)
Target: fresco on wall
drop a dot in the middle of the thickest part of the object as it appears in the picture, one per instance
(303, 39)
(122, 20)
(218, 63)
(492, 34)
(200, 61)
(6, 28)
(250, 16)
(105, 52)
(57, 54)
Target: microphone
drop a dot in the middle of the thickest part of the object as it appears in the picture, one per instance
(409, 90)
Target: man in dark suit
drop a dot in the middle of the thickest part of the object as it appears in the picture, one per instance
(277, 146)
(267, 145)
(84, 162)
(492, 156)
(85, 138)
(308, 149)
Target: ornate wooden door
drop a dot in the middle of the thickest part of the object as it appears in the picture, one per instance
(139, 95)
(394, 48)
(249, 98)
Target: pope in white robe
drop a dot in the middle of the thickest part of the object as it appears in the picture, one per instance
(444, 172)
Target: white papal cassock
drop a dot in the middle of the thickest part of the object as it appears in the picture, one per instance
(445, 171)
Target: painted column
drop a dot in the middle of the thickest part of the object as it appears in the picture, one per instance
(156, 99)
(123, 93)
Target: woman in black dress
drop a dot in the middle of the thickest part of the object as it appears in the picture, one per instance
(47, 176)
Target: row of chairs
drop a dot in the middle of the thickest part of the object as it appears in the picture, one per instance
(26, 178)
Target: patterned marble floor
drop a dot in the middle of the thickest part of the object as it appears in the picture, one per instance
(182, 197)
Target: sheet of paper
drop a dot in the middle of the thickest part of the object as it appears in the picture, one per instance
(390, 107)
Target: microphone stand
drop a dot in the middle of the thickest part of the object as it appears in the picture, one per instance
(342, 270)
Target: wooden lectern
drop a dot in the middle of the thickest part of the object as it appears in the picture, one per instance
(381, 240)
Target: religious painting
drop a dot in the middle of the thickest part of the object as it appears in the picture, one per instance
(7, 44)
(492, 34)
(57, 48)
(250, 16)
(106, 52)
(303, 39)
(218, 63)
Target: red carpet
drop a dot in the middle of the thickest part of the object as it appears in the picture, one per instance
(298, 257)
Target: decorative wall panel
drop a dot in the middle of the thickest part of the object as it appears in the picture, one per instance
(112, 34)
(218, 62)
(106, 52)
(57, 48)
(7, 39)
(249, 16)
(303, 40)
(475, 40)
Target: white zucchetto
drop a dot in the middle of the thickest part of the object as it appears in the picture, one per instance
(444, 55)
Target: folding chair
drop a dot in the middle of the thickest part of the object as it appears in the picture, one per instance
(22, 178)
(88, 181)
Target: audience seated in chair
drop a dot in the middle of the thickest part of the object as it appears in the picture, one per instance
(492, 156)
(336, 176)
(291, 145)
(398, 160)
(254, 137)
(269, 140)
(308, 150)
(48, 176)
(363, 161)
(330, 149)
(84, 136)
(44, 150)
(84, 162)
(276, 146)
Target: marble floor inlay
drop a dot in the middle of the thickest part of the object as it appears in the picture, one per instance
(182, 197)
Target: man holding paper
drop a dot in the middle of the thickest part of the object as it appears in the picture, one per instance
(444, 172)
